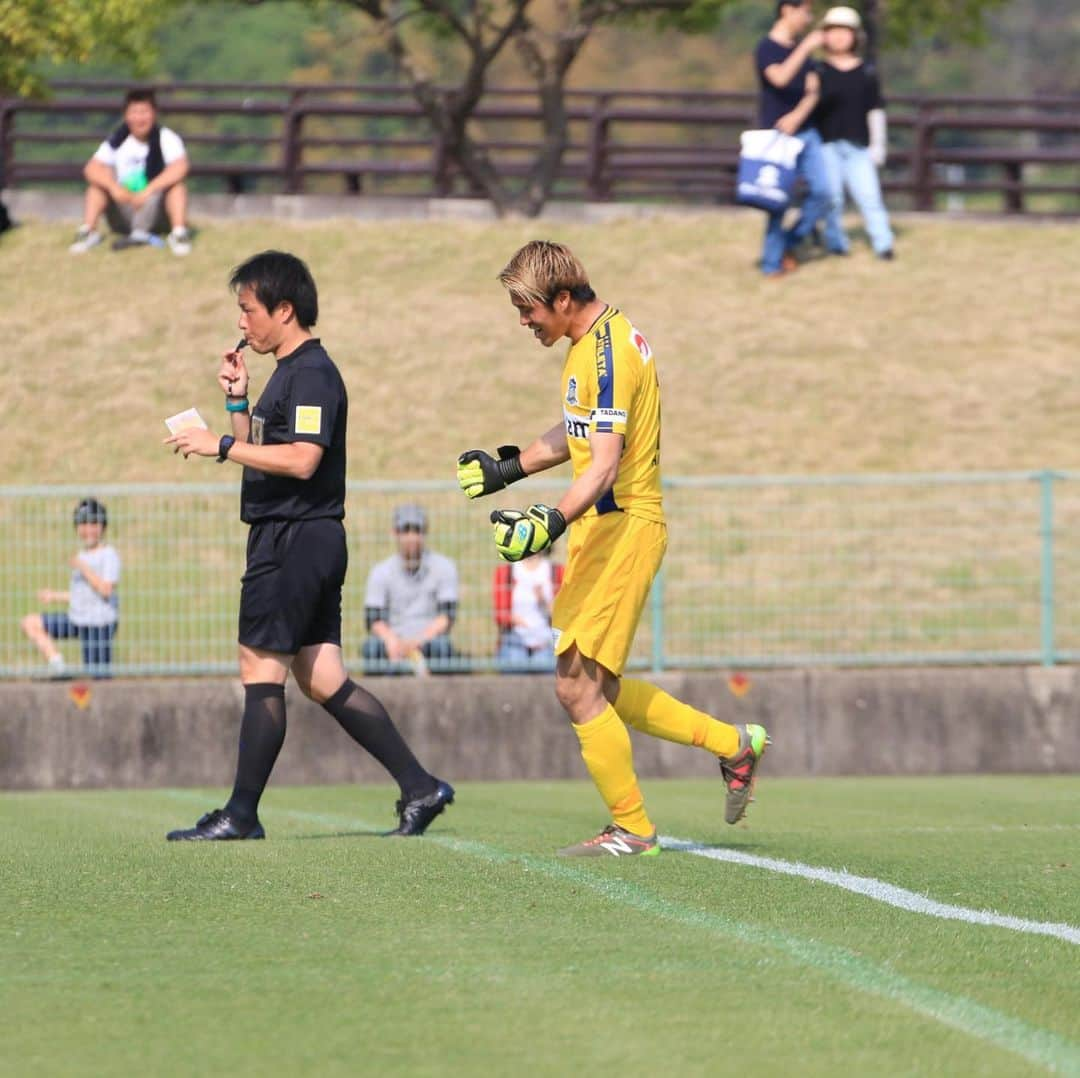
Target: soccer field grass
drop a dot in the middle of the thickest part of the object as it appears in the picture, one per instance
(330, 950)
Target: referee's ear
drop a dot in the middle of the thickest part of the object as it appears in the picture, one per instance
(285, 311)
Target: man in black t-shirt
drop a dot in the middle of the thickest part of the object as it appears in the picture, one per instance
(789, 94)
(292, 448)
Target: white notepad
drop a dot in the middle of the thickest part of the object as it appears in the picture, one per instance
(185, 421)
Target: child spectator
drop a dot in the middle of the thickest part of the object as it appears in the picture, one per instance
(92, 601)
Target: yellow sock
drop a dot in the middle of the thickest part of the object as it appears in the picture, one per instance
(605, 748)
(659, 714)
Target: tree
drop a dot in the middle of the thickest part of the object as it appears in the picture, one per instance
(897, 23)
(40, 30)
(547, 38)
(472, 36)
(35, 30)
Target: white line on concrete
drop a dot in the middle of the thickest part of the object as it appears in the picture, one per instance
(878, 890)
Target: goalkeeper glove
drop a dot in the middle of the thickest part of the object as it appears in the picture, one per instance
(520, 535)
(479, 473)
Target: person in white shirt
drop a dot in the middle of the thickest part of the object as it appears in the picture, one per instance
(92, 600)
(136, 178)
(523, 593)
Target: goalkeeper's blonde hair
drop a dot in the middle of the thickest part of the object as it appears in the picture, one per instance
(541, 270)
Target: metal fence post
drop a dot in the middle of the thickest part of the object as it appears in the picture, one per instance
(657, 601)
(1046, 575)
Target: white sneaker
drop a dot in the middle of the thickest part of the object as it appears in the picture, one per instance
(179, 241)
(85, 238)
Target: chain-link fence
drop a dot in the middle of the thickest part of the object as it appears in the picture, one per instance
(759, 571)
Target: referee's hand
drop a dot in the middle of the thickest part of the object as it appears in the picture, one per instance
(197, 440)
(233, 376)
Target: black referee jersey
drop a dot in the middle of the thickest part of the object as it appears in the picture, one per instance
(303, 401)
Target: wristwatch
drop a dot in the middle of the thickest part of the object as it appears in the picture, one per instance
(223, 448)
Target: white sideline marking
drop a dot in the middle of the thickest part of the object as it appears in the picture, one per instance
(968, 1017)
(878, 890)
(973, 829)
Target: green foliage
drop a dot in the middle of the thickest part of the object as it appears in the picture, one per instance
(72, 30)
(948, 20)
(903, 20)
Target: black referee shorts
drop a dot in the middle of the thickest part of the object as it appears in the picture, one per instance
(290, 595)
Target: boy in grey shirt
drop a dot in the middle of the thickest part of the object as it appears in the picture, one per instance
(92, 600)
(410, 602)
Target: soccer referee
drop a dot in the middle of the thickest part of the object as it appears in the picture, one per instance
(610, 433)
(292, 449)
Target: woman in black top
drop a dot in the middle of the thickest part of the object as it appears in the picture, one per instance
(851, 119)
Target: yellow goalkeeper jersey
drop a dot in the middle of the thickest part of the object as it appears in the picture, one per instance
(610, 385)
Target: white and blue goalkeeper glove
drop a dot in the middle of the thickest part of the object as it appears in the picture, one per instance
(521, 535)
(479, 473)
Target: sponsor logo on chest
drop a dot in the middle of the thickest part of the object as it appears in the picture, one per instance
(577, 426)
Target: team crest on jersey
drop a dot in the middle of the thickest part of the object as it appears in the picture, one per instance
(257, 422)
(571, 391)
(641, 344)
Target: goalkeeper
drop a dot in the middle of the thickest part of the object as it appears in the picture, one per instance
(611, 435)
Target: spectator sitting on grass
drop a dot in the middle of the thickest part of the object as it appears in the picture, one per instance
(92, 601)
(410, 602)
(136, 178)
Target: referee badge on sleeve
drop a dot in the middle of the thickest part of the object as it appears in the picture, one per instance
(308, 419)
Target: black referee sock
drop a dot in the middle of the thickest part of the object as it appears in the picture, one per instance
(365, 720)
(262, 733)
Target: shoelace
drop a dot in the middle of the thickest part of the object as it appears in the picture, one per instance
(609, 830)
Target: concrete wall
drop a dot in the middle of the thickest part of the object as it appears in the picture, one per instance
(824, 722)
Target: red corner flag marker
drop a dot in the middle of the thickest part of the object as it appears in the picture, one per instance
(80, 695)
(739, 684)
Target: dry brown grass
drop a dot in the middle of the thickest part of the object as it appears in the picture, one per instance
(962, 355)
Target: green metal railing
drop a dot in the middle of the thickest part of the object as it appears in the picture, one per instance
(761, 571)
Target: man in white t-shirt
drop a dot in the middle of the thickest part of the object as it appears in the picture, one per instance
(136, 178)
(92, 600)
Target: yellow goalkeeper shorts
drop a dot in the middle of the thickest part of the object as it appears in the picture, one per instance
(612, 561)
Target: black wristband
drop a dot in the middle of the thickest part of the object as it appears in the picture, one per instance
(226, 443)
(556, 524)
(510, 469)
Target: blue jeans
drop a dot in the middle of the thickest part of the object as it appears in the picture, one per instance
(849, 166)
(515, 658)
(811, 167)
